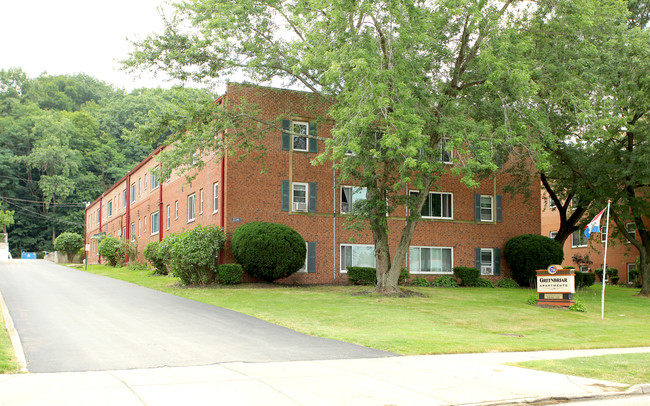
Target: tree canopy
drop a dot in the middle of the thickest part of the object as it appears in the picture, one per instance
(407, 82)
(63, 141)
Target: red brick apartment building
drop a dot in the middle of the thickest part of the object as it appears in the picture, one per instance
(620, 255)
(460, 227)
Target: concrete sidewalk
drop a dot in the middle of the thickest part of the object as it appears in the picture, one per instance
(409, 380)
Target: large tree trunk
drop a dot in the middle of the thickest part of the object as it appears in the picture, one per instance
(388, 270)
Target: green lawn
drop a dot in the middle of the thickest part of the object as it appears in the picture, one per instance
(444, 321)
(631, 369)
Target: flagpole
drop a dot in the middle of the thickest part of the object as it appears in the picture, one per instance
(602, 298)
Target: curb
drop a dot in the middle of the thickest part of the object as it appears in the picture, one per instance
(13, 335)
(633, 391)
(639, 389)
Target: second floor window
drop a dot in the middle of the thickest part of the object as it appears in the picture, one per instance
(299, 197)
(351, 195)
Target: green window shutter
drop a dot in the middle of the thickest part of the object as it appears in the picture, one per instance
(497, 261)
(312, 197)
(477, 258)
(286, 137)
(311, 257)
(313, 143)
(499, 208)
(477, 207)
(285, 195)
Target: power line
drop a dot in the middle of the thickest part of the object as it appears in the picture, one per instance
(43, 203)
(44, 216)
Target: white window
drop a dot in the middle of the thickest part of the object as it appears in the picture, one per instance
(552, 234)
(110, 208)
(168, 216)
(349, 196)
(578, 239)
(201, 201)
(139, 186)
(446, 153)
(631, 228)
(486, 208)
(216, 198)
(133, 231)
(154, 223)
(431, 260)
(132, 192)
(603, 232)
(124, 197)
(438, 205)
(300, 143)
(584, 268)
(357, 255)
(145, 181)
(154, 182)
(191, 208)
(97, 216)
(303, 269)
(145, 225)
(299, 193)
(631, 267)
(176, 210)
(487, 261)
(139, 227)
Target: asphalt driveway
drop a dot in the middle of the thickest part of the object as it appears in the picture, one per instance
(69, 320)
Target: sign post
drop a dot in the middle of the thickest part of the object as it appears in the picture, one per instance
(556, 286)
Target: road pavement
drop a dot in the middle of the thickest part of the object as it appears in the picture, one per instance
(70, 320)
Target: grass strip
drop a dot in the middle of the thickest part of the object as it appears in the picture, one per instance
(629, 369)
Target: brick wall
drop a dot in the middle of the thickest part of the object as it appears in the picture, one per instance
(251, 190)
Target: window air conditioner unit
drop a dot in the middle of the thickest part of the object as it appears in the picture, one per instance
(486, 270)
(299, 206)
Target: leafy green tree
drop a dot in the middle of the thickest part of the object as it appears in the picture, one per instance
(69, 243)
(529, 252)
(593, 70)
(407, 81)
(6, 219)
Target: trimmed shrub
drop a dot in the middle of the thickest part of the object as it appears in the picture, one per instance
(584, 280)
(112, 249)
(507, 283)
(152, 254)
(420, 282)
(69, 243)
(404, 276)
(529, 252)
(484, 283)
(360, 275)
(194, 254)
(445, 282)
(611, 272)
(468, 276)
(164, 254)
(229, 274)
(268, 251)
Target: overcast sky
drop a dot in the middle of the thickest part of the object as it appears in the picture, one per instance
(77, 36)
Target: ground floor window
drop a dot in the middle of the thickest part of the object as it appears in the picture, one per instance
(357, 255)
(487, 261)
(431, 260)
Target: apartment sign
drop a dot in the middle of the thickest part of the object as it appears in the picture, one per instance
(555, 286)
(556, 283)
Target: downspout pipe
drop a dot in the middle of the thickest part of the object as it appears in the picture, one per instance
(128, 211)
(160, 210)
